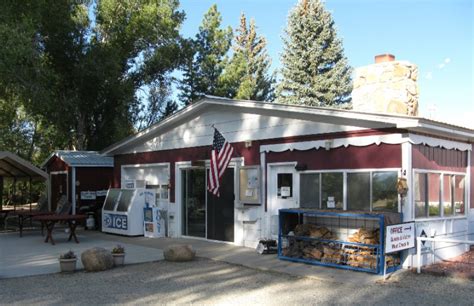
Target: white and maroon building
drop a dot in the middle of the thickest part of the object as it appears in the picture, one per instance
(295, 156)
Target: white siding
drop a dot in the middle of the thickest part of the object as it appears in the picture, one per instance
(235, 127)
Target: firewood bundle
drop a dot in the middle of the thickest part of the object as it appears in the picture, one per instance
(332, 254)
(313, 231)
(365, 236)
(360, 257)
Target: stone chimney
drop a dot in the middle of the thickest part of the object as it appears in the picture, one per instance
(388, 86)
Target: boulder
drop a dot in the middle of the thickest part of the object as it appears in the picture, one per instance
(179, 252)
(97, 259)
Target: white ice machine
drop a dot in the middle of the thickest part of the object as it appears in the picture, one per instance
(123, 210)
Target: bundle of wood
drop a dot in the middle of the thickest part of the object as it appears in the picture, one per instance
(311, 252)
(303, 249)
(332, 254)
(360, 260)
(366, 236)
(392, 260)
(361, 257)
(313, 231)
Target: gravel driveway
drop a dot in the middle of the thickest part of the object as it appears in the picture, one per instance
(209, 282)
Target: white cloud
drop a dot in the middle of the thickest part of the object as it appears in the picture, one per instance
(429, 75)
(445, 62)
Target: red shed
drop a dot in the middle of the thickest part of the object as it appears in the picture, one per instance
(83, 176)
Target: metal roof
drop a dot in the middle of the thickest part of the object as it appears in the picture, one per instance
(81, 159)
(13, 166)
(319, 114)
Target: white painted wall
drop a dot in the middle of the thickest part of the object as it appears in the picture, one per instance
(235, 127)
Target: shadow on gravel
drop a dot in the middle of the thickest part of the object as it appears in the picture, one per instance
(208, 282)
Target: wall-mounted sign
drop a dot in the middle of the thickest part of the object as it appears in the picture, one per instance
(116, 221)
(249, 185)
(285, 191)
(399, 237)
(88, 195)
(101, 193)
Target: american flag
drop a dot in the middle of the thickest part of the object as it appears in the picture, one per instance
(220, 157)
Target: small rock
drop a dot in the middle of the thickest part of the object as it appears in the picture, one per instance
(97, 259)
(179, 252)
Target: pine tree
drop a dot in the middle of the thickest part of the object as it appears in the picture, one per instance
(206, 58)
(315, 71)
(246, 75)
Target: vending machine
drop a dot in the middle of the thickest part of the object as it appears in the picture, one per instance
(154, 225)
(123, 210)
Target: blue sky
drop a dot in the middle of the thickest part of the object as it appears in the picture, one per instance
(436, 35)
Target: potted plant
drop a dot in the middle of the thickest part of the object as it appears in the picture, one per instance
(118, 253)
(67, 261)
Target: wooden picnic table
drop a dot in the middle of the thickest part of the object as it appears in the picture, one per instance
(50, 220)
(26, 214)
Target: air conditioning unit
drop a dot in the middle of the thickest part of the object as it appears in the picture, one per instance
(134, 184)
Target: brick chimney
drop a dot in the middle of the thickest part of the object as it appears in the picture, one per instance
(388, 86)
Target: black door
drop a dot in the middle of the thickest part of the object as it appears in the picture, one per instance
(220, 210)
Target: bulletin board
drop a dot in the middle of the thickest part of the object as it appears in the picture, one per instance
(249, 185)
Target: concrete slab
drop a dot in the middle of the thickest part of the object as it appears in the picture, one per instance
(29, 255)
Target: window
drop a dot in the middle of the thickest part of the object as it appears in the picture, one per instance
(438, 195)
(434, 193)
(447, 196)
(310, 196)
(366, 191)
(332, 190)
(384, 191)
(285, 185)
(459, 193)
(358, 191)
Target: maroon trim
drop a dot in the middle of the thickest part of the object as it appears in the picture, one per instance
(372, 156)
(251, 154)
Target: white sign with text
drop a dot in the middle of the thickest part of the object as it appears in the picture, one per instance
(399, 237)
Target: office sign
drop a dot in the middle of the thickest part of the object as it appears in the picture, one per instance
(399, 237)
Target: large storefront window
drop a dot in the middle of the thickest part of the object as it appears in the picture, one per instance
(439, 195)
(311, 196)
(332, 190)
(384, 191)
(358, 191)
(365, 191)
